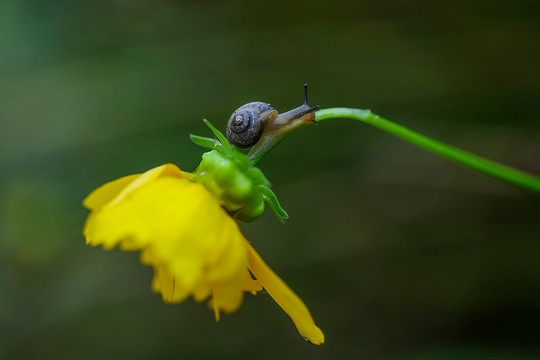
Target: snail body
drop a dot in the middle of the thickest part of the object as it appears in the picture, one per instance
(260, 126)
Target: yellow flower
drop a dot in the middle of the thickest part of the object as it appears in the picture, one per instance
(194, 246)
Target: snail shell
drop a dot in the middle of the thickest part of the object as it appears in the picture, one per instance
(246, 124)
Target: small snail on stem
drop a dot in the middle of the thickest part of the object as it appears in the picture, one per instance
(259, 125)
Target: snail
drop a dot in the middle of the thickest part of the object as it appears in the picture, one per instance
(260, 126)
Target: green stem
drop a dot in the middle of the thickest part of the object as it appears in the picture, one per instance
(490, 168)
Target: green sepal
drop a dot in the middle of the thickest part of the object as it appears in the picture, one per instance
(227, 147)
(208, 143)
(258, 176)
(242, 160)
(252, 210)
(272, 200)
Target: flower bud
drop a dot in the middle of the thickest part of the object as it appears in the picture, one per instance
(231, 182)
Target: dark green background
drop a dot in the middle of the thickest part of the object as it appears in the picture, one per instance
(398, 253)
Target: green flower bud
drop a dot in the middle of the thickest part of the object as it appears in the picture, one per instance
(228, 174)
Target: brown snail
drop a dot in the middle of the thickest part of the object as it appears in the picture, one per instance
(260, 126)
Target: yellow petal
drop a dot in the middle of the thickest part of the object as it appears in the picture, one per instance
(215, 307)
(195, 247)
(147, 177)
(201, 290)
(170, 287)
(155, 283)
(161, 212)
(285, 297)
(228, 296)
(250, 284)
(107, 192)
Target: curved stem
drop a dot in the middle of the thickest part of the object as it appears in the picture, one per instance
(501, 172)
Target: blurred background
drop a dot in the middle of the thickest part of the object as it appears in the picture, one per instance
(398, 253)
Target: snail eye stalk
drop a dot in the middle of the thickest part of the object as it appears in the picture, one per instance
(282, 126)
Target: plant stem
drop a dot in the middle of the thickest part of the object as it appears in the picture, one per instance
(501, 172)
